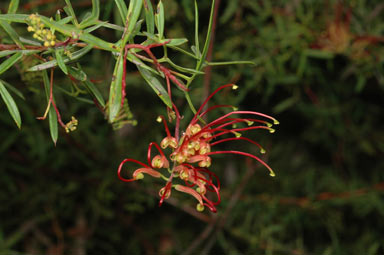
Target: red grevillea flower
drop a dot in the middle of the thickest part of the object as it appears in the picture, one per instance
(191, 152)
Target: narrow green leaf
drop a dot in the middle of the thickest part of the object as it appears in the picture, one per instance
(91, 20)
(76, 55)
(13, 6)
(60, 61)
(197, 44)
(11, 105)
(122, 7)
(95, 27)
(65, 20)
(156, 86)
(136, 29)
(53, 126)
(111, 26)
(133, 14)
(137, 61)
(70, 30)
(183, 69)
(115, 94)
(52, 117)
(85, 100)
(12, 33)
(78, 74)
(93, 40)
(71, 11)
(149, 17)
(235, 62)
(30, 42)
(176, 41)
(13, 89)
(94, 92)
(207, 39)
(23, 52)
(10, 62)
(159, 17)
(185, 52)
(19, 18)
(196, 52)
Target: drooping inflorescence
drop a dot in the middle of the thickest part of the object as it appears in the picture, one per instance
(191, 152)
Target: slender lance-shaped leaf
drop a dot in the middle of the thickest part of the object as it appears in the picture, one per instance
(109, 25)
(197, 44)
(95, 27)
(149, 17)
(207, 39)
(12, 33)
(11, 105)
(115, 93)
(13, 89)
(60, 61)
(175, 41)
(94, 92)
(92, 89)
(156, 86)
(13, 6)
(71, 11)
(10, 62)
(19, 18)
(90, 20)
(159, 17)
(52, 117)
(76, 55)
(24, 52)
(133, 14)
(122, 7)
(77, 73)
(70, 30)
(65, 20)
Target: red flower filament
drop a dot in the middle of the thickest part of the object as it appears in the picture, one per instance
(190, 157)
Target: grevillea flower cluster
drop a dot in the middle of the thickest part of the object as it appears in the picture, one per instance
(187, 167)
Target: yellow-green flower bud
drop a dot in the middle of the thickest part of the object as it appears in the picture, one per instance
(200, 207)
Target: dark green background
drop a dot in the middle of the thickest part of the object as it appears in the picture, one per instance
(327, 197)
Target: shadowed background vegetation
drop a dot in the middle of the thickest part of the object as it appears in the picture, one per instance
(319, 69)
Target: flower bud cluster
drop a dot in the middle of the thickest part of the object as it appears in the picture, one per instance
(71, 125)
(40, 32)
(195, 146)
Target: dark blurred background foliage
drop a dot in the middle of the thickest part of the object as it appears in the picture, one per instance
(318, 69)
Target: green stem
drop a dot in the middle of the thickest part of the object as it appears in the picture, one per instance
(193, 109)
(230, 63)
